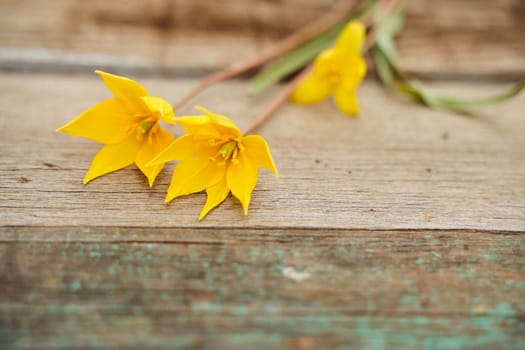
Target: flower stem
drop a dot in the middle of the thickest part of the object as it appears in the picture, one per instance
(279, 100)
(338, 14)
(390, 5)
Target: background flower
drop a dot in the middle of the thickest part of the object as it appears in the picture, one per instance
(337, 71)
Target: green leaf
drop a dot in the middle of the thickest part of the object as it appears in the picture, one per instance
(463, 105)
(387, 30)
(292, 61)
(386, 72)
(303, 54)
(385, 58)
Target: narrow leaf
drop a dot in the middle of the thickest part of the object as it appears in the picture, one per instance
(292, 61)
(303, 54)
(385, 57)
(463, 105)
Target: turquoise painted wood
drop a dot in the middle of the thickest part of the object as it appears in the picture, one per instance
(225, 289)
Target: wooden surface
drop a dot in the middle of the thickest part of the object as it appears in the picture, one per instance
(409, 221)
(401, 166)
(400, 229)
(187, 37)
(224, 288)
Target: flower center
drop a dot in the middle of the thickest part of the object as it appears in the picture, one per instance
(146, 125)
(229, 150)
(334, 73)
(333, 77)
(332, 66)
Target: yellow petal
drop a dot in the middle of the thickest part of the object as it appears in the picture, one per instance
(157, 104)
(179, 149)
(126, 89)
(225, 124)
(354, 72)
(241, 178)
(113, 157)
(351, 38)
(149, 150)
(346, 101)
(312, 89)
(216, 194)
(107, 122)
(199, 125)
(194, 174)
(257, 147)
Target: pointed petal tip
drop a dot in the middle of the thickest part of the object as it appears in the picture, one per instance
(204, 212)
(100, 72)
(201, 109)
(169, 197)
(245, 204)
(89, 177)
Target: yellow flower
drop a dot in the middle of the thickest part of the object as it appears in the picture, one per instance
(337, 71)
(128, 126)
(216, 157)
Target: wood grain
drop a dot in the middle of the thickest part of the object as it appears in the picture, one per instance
(398, 165)
(444, 38)
(410, 222)
(225, 289)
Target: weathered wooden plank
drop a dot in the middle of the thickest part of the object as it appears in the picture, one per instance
(466, 37)
(225, 288)
(398, 165)
(184, 37)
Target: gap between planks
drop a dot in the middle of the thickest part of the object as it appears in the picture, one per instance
(215, 235)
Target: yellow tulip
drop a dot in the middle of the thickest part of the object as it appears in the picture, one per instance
(337, 71)
(128, 126)
(214, 156)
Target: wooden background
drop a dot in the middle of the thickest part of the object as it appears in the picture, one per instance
(408, 221)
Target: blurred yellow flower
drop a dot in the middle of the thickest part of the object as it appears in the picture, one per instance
(216, 157)
(337, 71)
(128, 126)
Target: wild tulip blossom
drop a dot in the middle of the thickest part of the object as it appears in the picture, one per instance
(337, 71)
(214, 156)
(128, 126)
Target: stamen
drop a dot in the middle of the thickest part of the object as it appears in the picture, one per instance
(145, 126)
(152, 132)
(227, 149)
